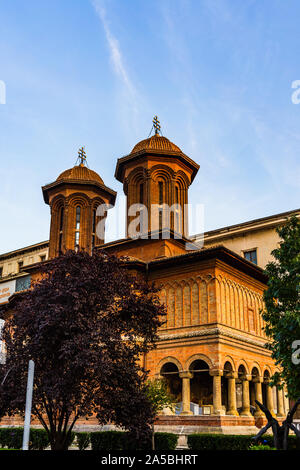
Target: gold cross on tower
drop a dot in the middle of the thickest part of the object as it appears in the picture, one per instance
(82, 156)
(156, 125)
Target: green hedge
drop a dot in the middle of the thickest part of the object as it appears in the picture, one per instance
(83, 440)
(262, 447)
(38, 439)
(13, 438)
(118, 440)
(232, 442)
(165, 441)
(108, 440)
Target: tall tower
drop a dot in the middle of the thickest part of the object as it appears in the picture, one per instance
(74, 198)
(157, 174)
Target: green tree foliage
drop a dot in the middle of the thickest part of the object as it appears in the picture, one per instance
(158, 394)
(282, 306)
(159, 397)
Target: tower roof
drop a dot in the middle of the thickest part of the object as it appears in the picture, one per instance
(80, 172)
(159, 146)
(155, 142)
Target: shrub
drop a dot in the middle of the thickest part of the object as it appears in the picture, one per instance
(262, 447)
(268, 440)
(233, 442)
(11, 437)
(83, 440)
(218, 442)
(38, 439)
(165, 441)
(119, 440)
(108, 440)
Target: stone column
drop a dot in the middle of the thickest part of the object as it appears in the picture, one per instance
(217, 392)
(269, 396)
(186, 392)
(245, 396)
(258, 395)
(252, 393)
(280, 408)
(286, 400)
(232, 394)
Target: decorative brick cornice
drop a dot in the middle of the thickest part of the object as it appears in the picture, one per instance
(216, 331)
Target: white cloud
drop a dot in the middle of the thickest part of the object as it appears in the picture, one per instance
(114, 46)
(128, 97)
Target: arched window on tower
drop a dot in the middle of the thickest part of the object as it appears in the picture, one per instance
(140, 228)
(160, 202)
(61, 226)
(141, 195)
(94, 229)
(161, 192)
(77, 227)
(177, 224)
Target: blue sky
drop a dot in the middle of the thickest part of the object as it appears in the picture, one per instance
(218, 73)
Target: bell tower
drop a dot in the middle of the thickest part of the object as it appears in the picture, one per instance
(156, 175)
(74, 198)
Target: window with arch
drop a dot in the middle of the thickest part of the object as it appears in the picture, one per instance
(77, 226)
(177, 222)
(160, 192)
(160, 202)
(94, 228)
(141, 193)
(61, 226)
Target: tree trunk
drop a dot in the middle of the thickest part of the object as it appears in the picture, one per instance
(59, 442)
(153, 437)
(280, 432)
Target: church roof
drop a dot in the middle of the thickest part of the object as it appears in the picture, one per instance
(155, 142)
(80, 172)
(156, 145)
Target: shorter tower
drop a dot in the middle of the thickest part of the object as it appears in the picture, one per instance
(74, 199)
(157, 175)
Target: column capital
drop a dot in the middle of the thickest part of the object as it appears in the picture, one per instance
(216, 372)
(257, 380)
(247, 377)
(231, 375)
(186, 375)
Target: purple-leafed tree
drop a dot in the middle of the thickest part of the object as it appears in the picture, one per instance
(86, 324)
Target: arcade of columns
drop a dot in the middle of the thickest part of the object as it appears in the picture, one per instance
(247, 398)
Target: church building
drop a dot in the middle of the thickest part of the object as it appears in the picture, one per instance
(211, 349)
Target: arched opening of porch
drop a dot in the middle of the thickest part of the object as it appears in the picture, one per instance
(201, 386)
(169, 371)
